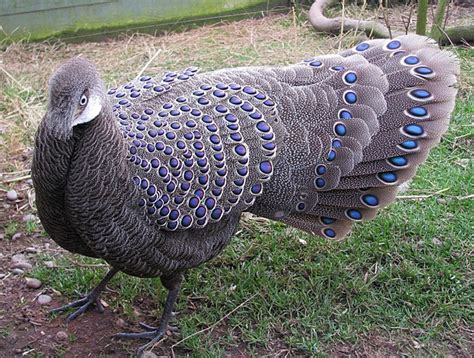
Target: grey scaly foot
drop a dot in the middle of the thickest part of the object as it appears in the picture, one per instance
(152, 333)
(88, 302)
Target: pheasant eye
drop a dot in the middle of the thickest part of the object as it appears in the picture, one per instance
(83, 100)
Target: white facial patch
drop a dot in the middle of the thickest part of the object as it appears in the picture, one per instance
(91, 111)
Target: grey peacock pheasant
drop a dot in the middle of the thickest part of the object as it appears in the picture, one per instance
(153, 176)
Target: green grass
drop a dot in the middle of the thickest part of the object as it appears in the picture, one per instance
(405, 277)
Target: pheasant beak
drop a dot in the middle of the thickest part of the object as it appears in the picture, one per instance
(58, 119)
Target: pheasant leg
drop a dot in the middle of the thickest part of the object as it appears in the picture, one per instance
(86, 303)
(155, 334)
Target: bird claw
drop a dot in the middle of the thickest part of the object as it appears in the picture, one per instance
(84, 304)
(154, 334)
(147, 327)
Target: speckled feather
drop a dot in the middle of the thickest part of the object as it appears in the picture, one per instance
(157, 182)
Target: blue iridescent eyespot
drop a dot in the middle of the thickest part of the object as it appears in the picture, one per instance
(329, 233)
(265, 167)
(409, 144)
(393, 45)
(316, 63)
(201, 211)
(144, 184)
(257, 188)
(230, 118)
(418, 111)
(263, 126)
(413, 129)
(221, 109)
(321, 169)
(362, 47)
(337, 68)
(411, 60)
(216, 213)
(354, 214)
(345, 114)
(249, 90)
(336, 143)
(370, 200)
(203, 101)
(340, 129)
(423, 70)
(235, 100)
(320, 182)
(300, 206)
(387, 177)
(420, 93)
(247, 107)
(350, 97)
(327, 221)
(331, 155)
(350, 77)
(269, 146)
(219, 93)
(186, 220)
(399, 161)
(255, 115)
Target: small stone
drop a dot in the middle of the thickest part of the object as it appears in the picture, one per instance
(18, 271)
(149, 354)
(12, 195)
(29, 217)
(29, 182)
(120, 323)
(44, 299)
(436, 241)
(49, 264)
(20, 261)
(33, 283)
(2, 275)
(18, 258)
(61, 336)
(26, 266)
(441, 201)
(17, 236)
(31, 250)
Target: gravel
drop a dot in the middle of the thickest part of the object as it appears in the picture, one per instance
(19, 261)
(18, 271)
(31, 250)
(61, 336)
(44, 299)
(17, 236)
(25, 266)
(12, 195)
(29, 217)
(33, 283)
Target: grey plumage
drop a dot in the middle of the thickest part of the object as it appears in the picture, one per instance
(155, 181)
